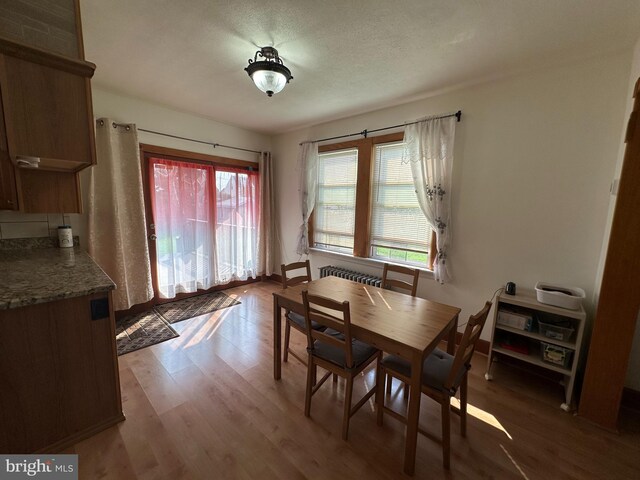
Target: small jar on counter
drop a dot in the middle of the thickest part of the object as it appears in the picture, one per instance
(65, 236)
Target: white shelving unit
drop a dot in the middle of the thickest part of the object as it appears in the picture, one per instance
(525, 302)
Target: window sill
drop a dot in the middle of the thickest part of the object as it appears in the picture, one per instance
(370, 262)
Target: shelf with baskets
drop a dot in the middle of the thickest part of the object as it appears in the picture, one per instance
(534, 333)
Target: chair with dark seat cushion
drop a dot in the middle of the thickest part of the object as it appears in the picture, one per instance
(389, 283)
(293, 319)
(336, 351)
(442, 376)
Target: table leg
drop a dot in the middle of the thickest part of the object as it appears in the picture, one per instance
(277, 338)
(451, 341)
(413, 415)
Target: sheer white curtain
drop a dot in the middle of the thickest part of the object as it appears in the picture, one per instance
(181, 198)
(117, 224)
(267, 215)
(429, 149)
(237, 203)
(308, 168)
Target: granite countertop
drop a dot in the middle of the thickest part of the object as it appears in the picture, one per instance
(38, 275)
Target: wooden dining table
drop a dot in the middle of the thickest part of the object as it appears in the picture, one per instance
(396, 323)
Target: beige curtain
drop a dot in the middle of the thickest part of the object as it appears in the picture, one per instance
(266, 241)
(117, 225)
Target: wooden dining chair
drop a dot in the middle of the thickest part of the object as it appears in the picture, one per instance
(442, 376)
(335, 350)
(293, 319)
(390, 283)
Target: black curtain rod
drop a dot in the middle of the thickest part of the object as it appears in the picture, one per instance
(366, 132)
(214, 145)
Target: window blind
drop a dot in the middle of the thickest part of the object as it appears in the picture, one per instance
(397, 222)
(335, 211)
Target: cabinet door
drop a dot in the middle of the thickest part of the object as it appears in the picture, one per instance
(41, 191)
(59, 375)
(48, 112)
(8, 199)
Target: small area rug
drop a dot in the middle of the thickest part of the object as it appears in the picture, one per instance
(142, 330)
(179, 310)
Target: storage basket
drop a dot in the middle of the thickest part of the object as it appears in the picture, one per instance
(556, 354)
(556, 332)
(560, 296)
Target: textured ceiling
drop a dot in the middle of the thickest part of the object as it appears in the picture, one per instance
(346, 56)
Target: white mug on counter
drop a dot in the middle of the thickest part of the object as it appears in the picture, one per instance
(65, 236)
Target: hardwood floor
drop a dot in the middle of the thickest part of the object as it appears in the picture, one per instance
(205, 405)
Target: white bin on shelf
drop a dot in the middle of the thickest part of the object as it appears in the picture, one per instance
(559, 295)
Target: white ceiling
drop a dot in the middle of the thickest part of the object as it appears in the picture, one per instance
(346, 56)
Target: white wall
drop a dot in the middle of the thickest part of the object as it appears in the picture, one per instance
(534, 157)
(121, 108)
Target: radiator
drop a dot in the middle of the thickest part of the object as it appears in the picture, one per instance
(331, 271)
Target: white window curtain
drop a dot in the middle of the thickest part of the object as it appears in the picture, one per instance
(184, 217)
(308, 168)
(117, 224)
(429, 149)
(267, 215)
(237, 204)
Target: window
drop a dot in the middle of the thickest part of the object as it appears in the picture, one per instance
(366, 203)
(335, 211)
(399, 229)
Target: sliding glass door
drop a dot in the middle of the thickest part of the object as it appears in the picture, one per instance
(204, 226)
(181, 199)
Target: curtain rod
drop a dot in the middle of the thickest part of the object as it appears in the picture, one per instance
(366, 132)
(214, 145)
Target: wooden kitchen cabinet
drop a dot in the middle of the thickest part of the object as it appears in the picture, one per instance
(8, 192)
(47, 120)
(47, 110)
(59, 373)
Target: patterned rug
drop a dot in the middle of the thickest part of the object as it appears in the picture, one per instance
(142, 330)
(179, 310)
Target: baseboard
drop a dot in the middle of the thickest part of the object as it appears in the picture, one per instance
(630, 398)
(84, 434)
(143, 307)
(482, 346)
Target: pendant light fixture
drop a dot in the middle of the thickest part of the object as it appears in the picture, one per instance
(270, 75)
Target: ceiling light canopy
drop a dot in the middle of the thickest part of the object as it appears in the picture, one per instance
(270, 75)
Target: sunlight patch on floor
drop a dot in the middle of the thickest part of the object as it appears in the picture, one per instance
(219, 322)
(515, 464)
(202, 329)
(369, 385)
(483, 416)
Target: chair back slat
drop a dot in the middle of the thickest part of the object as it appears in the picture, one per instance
(297, 280)
(328, 339)
(388, 283)
(467, 345)
(288, 281)
(331, 314)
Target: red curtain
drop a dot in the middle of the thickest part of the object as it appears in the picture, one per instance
(207, 224)
(182, 196)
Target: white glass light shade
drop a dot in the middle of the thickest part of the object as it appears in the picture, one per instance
(269, 82)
